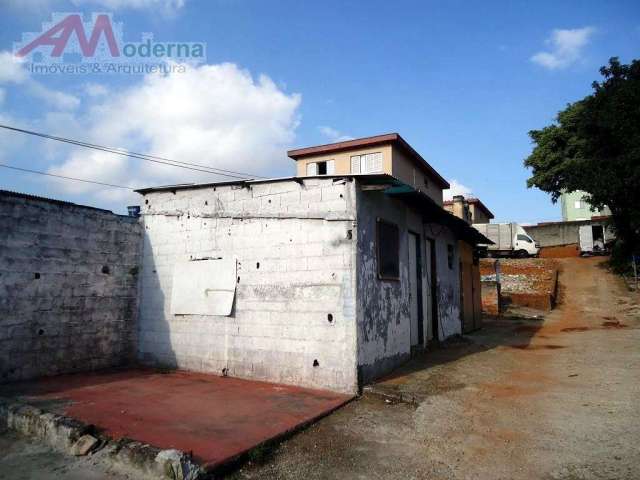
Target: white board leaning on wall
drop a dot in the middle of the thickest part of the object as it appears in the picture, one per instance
(204, 287)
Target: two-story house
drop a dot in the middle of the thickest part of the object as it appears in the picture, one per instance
(389, 154)
(575, 207)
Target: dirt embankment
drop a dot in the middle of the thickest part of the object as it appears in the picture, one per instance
(562, 251)
(529, 283)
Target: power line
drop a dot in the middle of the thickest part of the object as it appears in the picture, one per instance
(141, 156)
(63, 177)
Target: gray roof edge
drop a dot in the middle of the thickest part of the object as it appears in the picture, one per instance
(251, 181)
(28, 196)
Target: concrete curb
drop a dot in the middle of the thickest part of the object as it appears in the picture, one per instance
(62, 433)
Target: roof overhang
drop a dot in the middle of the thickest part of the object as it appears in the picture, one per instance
(365, 177)
(434, 213)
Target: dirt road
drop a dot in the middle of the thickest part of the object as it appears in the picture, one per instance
(521, 399)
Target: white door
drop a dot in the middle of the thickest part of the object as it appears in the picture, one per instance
(413, 288)
(586, 238)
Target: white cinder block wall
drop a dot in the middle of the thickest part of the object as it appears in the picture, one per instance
(68, 287)
(294, 315)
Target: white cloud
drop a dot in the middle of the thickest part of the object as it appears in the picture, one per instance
(216, 115)
(11, 71)
(165, 6)
(29, 5)
(54, 98)
(456, 188)
(334, 135)
(95, 89)
(566, 48)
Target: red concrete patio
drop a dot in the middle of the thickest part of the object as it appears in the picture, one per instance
(215, 418)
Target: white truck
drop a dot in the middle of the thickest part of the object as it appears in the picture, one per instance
(509, 240)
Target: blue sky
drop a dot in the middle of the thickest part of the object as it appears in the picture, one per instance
(463, 82)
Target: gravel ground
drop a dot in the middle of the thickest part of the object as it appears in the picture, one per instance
(554, 399)
(23, 459)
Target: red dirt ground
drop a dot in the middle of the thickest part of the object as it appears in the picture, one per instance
(563, 251)
(216, 418)
(527, 283)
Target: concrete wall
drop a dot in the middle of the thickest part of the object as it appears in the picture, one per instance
(448, 282)
(407, 170)
(68, 287)
(295, 296)
(559, 233)
(384, 323)
(478, 215)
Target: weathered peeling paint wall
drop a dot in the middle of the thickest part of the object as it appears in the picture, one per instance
(449, 320)
(295, 297)
(68, 287)
(383, 307)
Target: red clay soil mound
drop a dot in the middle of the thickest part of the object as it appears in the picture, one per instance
(613, 323)
(528, 346)
(529, 283)
(563, 251)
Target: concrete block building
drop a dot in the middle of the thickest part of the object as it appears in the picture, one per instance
(322, 280)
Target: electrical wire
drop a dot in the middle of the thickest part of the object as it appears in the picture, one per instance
(63, 177)
(141, 156)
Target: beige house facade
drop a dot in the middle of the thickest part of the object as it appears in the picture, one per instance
(382, 154)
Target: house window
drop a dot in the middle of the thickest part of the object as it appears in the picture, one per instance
(367, 163)
(450, 256)
(426, 182)
(577, 204)
(321, 168)
(388, 250)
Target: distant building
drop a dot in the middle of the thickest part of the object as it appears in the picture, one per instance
(575, 207)
(471, 210)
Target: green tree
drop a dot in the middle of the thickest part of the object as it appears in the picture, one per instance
(594, 146)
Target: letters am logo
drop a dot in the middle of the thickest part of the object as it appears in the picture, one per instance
(67, 33)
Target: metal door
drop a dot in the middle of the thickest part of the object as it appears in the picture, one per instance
(415, 302)
(432, 290)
